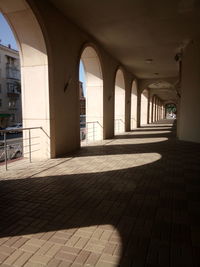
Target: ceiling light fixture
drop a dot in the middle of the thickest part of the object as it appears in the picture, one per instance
(149, 60)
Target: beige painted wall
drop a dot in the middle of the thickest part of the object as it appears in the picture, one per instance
(144, 107)
(119, 102)
(189, 119)
(134, 105)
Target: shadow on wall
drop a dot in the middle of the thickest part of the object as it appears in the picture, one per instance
(138, 202)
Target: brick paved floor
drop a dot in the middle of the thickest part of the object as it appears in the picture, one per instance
(134, 201)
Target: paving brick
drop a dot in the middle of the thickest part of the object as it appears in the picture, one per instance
(109, 248)
(71, 250)
(6, 250)
(53, 250)
(72, 241)
(92, 259)
(81, 243)
(22, 259)
(11, 241)
(47, 236)
(40, 259)
(82, 257)
(54, 263)
(35, 242)
(13, 257)
(45, 248)
(57, 240)
(20, 242)
(65, 256)
(132, 201)
(105, 264)
(29, 248)
(83, 233)
(2, 257)
(3, 240)
(65, 264)
(109, 258)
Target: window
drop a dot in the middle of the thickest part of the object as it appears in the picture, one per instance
(12, 104)
(12, 117)
(0, 102)
(0, 88)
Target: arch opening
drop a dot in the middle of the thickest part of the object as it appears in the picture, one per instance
(119, 109)
(34, 74)
(170, 111)
(91, 95)
(10, 78)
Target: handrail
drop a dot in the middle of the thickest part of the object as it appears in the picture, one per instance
(94, 122)
(119, 120)
(6, 152)
(133, 119)
(20, 129)
(92, 130)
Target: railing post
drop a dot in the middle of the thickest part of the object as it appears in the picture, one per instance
(86, 133)
(29, 141)
(5, 151)
(93, 128)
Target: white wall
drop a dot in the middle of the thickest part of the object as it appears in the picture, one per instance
(189, 117)
(119, 102)
(134, 105)
(144, 107)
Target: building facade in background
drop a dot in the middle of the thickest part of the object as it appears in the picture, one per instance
(10, 87)
(82, 112)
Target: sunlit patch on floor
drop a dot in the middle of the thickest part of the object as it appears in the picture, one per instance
(105, 163)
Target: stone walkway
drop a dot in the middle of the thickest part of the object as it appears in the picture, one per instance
(134, 201)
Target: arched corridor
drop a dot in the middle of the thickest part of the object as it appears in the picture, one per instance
(131, 198)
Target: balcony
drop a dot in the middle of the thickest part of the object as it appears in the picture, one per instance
(13, 93)
(12, 72)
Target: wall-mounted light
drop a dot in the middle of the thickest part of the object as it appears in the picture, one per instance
(67, 84)
(109, 97)
(149, 60)
(178, 57)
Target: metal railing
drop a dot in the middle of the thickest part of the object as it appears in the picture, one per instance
(119, 126)
(12, 148)
(93, 132)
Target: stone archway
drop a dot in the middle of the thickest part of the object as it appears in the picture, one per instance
(34, 72)
(94, 93)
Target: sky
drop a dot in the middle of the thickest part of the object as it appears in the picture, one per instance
(7, 37)
(82, 77)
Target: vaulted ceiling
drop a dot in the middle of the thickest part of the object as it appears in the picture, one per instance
(143, 35)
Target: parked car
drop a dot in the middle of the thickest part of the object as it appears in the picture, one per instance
(13, 151)
(1, 129)
(14, 127)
